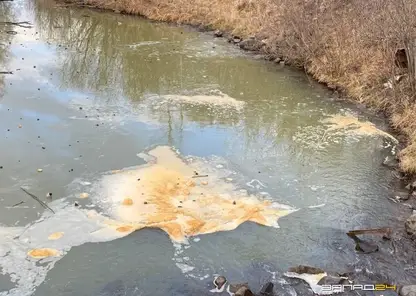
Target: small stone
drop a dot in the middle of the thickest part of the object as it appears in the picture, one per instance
(49, 194)
(19, 126)
(234, 203)
(267, 289)
(1, 167)
(218, 33)
(243, 291)
(220, 281)
(229, 179)
(236, 40)
(76, 204)
(204, 182)
(43, 147)
(38, 119)
(145, 202)
(410, 226)
(407, 290)
(34, 66)
(277, 60)
(40, 170)
(80, 108)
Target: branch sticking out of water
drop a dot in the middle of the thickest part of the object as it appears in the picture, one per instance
(38, 200)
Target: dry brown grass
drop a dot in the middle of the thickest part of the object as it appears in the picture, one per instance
(347, 44)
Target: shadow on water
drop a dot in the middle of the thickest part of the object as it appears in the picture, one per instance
(6, 14)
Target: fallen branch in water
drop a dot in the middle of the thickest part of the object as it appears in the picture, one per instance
(19, 203)
(385, 231)
(26, 25)
(38, 200)
(6, 72)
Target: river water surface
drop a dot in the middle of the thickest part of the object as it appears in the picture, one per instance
(91, 90)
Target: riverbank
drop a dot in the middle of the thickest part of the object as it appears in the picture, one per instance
(349, 47)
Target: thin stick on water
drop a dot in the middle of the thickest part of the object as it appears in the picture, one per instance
(19, 203)
(199, 176)
(38, 200)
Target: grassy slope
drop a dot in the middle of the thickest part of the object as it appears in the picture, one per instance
(347, 44)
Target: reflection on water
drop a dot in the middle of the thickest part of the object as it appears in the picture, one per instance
(95, 89)
(7, 15)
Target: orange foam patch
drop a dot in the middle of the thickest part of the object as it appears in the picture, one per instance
(127, 202)
(43, 253)
(168, 197)
(55, 236)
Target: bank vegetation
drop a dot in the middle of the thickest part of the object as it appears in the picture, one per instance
(363, 48)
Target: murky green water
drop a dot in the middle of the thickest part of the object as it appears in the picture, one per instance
(87, 95)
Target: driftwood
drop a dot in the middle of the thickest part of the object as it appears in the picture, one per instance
(37, 199)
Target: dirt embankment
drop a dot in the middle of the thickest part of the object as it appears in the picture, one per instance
(349, 45)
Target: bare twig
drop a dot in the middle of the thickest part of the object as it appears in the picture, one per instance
(19, 203)
(199, 176)
(38, 200)
(6, 72)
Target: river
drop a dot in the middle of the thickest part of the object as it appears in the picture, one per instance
(91, 90)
